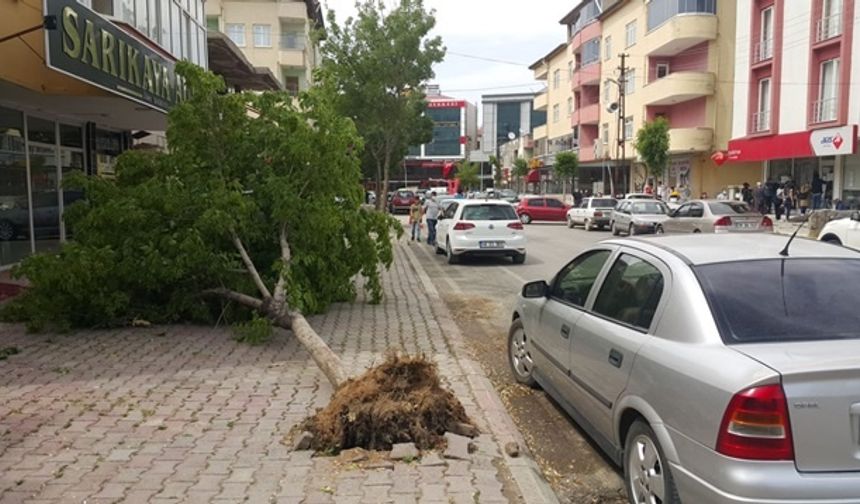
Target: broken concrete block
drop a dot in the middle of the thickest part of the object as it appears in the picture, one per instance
(512, 449)
(458, 447)
(432, 460)
(464, 429)
(303, 441)
(403, 451)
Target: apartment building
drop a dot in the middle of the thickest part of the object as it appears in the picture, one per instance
(509, 118)
(795, 110)
(679, 59)
(275, 34)
(556, 101)
(79, 81)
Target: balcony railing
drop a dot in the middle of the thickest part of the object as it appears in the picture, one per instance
(763, 50)
(293, 41)
(761, 121)
(824, 110)
(829, 27)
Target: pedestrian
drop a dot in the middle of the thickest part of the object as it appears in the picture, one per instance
(415, 215)
(723, 195)
(577, 197)
(648, 189)
(817, 191)
(747, 194)
(803, 199)
(758, 197)
(431, 213)
(686, 193)
(661, 191)
(777, 203)
(788, 202)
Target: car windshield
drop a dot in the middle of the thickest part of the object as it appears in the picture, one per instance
(728, 208)
(405, 194)
(783, 299)
(488, 212)
(603, 203)
(649, 207)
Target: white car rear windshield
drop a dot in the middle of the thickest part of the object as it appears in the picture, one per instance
(783, 299)
(728, 208)
(649, 208)
(603, 203)
(488, 212)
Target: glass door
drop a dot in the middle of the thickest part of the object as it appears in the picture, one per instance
(45, 185)
(14, 204)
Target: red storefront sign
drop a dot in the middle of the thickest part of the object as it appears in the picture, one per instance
(446, 104)
(824, 142)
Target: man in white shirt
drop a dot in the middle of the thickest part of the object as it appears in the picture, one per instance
(431, 213)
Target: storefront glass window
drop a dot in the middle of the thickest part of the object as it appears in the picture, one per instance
(45, 184)
(126, 11)
(71, 160)
(140, 19)
(40, 130)
(14, 206)
(446, 132)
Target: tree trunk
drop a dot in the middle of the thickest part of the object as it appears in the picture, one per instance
(386, 168)
(381, 193)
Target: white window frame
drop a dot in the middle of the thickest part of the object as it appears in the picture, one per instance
(666, 70)
(556, 113)
(628, 128)
(267, 33)
(607, 92)
(607, 48)
(630, 81)
(569, 105)
(556, 79)
(229, 32)
(604, 133)
(630, 34)
(763, 109)
(828, 93)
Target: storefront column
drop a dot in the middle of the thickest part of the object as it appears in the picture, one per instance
(838, 183)
(29, 184)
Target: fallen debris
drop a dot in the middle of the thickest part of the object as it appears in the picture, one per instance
(458, 447)
(404, 451)
(512, 449)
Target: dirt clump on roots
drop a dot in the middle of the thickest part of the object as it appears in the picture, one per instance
(399, 401)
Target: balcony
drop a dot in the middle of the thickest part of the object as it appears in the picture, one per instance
(292, 10)
(679, 87)
(762, 51)
(541, 101)
(690, 140)
(292, 50)
(760, 122)
(680, 33)
(588, 75)
(824, 110)
(588, 114)
(542, 72)
(828, 27)
(540, 132)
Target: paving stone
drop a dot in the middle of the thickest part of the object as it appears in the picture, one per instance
(404, 451)
(432, 459)
(303, 441)
(457, 448)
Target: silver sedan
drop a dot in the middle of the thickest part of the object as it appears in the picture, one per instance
(714, 369)
(638, 216)
(715, 216)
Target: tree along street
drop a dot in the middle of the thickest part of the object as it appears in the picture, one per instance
(480, 294)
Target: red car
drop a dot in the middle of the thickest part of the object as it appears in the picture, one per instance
(401, 201)
(542, 209)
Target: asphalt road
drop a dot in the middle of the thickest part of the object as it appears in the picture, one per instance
(480, 294)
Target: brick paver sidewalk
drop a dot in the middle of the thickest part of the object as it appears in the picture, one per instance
(185, 414)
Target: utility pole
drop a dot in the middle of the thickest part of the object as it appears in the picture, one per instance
(621, 138)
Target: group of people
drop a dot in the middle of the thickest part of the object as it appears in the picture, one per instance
(781, 199)
(428, 210)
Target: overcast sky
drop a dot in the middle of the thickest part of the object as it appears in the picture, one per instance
(506, 30)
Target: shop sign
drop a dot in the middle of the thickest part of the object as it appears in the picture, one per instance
(90, 48)
(833, 141)
(446, 104)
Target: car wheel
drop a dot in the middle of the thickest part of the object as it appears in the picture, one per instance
(587, 225)
(439, 250)
(570, 223)
(525, 219)
(519, 258)
(631, 231)
(7, 230)
(659, 230)
(646, 471)
(697, 231)
(452, 259)
(827, 239)
(615, 231)
(519, 356)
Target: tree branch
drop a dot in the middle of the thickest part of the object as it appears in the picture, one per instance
(252, 270)
(231, 295)
(286, 256)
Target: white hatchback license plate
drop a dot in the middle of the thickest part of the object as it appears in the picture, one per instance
(491, 244)
(746, 225)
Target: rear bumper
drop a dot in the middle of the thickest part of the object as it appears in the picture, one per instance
(705, 477)
(469, 246)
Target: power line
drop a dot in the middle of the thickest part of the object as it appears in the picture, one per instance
(485, 58)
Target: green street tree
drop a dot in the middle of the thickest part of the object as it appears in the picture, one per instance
(566, 166)
(379, 62)
(652, 143)
(497, 171)
(467, 174)
(254, 216)
(521, 169)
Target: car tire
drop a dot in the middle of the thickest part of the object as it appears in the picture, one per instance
(631, 231)
(526, 219)
(7, 230)
(439, 250)
(519, 258)
(615, 231)
(586, 225)
(647, 475)
(519, 357)
(570, 223)
(452, 259)
(697, 231)
(659, 230)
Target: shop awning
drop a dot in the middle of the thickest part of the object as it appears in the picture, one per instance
(823, 142)
(228, 61)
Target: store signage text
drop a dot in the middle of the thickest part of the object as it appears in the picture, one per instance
(92, 49)
(446, 104)
(833, 141)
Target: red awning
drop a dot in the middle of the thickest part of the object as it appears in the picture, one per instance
(823, 142)
(533, 176)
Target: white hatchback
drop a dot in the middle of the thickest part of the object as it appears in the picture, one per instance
(480, 228)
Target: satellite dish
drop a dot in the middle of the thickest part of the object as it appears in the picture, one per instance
(612, 108)
(511, 135)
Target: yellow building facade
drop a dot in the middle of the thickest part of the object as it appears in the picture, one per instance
(554, 69)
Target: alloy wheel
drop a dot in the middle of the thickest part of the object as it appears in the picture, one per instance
(521, 359)
(645, 470)
(7, 230)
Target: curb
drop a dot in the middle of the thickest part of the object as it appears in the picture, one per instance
(532, 486)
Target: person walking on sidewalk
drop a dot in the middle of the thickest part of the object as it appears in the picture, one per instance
(415, 216)
(817, 191)
(431, 212)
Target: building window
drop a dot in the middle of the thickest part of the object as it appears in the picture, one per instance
(291, 85)
(556, 79)
(236, 32)
(569, 70)
(607, 48)
(628, 127)
(102, 6)
(555, 113)
(764, 47)
(292, 39)
(607, 92)
(141, 21)
(604, 134)
(569, 106)
(212, 23)
(660, 11)
(825, 108)
(262, 35)
(761, 118)
(591, 51)
(662, 70)
(830, 24)
(630, 81)
(630, 33)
